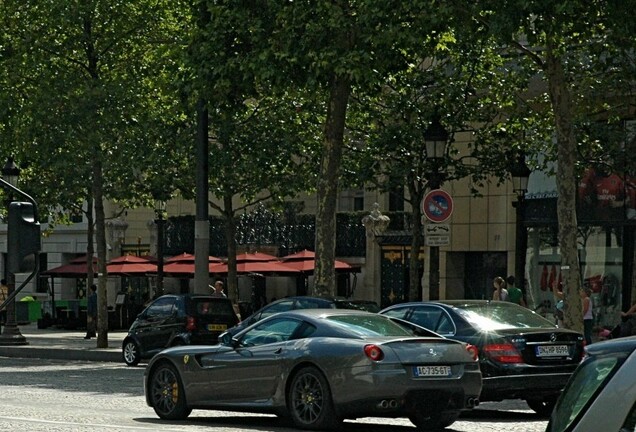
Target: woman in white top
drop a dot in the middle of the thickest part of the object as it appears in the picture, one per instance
(500, 293)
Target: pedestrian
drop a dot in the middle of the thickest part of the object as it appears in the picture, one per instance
(4, 293)
(559, 303)
(515, 295)
(500, 292)
(217, 290)
(91, 312)
(588, 315)
(630, 311)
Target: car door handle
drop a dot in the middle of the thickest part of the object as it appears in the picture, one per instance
(278, 351)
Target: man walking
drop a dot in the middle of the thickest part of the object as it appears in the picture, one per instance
(91, 312)
(515, 295)
(218, 289)
(4, 293)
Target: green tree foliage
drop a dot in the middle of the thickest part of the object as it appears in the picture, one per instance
(327, 49)
(582, 61)
(449, 80)
(89, 112)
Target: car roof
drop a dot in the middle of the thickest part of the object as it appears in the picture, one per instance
(205, 297)
(625, 344)
(451, 303)
(321, 313)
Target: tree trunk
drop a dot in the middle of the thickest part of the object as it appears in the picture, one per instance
(416, 191)
(100, 235)
(327, 191)
(566, 188)
(230, 238)
(90, 244)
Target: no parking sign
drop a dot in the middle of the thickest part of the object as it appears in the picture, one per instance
(437, 205)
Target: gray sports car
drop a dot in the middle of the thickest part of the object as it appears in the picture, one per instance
(317, 367)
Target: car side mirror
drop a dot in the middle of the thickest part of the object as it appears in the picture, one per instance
(225, 338)
(228, 340)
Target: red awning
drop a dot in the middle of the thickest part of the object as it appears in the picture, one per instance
(305, 261)
(255, 256)
(304, 254)
(261, 267)
(72, 270)
(129, 265)
(189, 258)
(309, 265)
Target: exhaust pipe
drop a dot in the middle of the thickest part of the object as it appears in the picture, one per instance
(472, 402)
(388, 404)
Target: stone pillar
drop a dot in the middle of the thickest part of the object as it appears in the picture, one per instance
(375, 224)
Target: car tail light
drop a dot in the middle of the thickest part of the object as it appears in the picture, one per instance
(503, 353)
(191, 323)
(374, 352)
(473, 351)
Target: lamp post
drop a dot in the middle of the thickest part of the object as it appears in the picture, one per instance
(11, 333)
(435, 139)
(160, 210)
(520, 174)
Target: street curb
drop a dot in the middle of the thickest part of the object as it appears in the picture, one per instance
(97, 355)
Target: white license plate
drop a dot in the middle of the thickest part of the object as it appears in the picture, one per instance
(431, 371)
(552, 350)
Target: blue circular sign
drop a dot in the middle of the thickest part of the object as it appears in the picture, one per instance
(437, 205)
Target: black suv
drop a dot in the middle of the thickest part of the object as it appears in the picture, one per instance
(177, 319)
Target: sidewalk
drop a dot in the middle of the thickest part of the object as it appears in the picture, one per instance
(52, 343)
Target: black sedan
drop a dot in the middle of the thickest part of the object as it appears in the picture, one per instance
(521, 354)
(317, 367)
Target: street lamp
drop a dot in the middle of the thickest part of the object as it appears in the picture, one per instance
(520, 174)
(435, 139)
(11, 333)
(11, 172)
(160, 210)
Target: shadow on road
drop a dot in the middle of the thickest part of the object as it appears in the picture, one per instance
(269, 423)
(495, 415)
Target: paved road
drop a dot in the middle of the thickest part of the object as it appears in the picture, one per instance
(51, 395)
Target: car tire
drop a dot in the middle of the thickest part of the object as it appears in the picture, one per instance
(432, 422)
(309, 401)
(130, 352)
(544, 406)
(167, 394)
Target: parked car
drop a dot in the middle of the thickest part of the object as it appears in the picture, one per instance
(522, 355)
(601, 394)
(305, 302)
(318, 367)
(177, 319)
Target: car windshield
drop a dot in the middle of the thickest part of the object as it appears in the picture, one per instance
(497, 316)
(580, 391)
(369, 325)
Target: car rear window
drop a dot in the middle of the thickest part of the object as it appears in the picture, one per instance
(216, 308)
(496, 316)
(369, 325)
